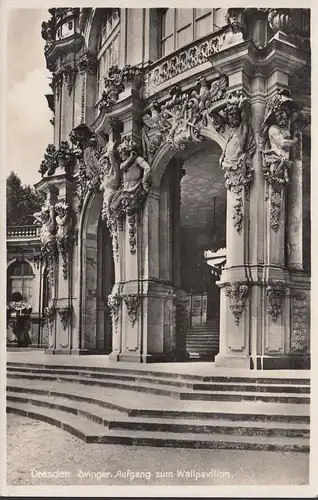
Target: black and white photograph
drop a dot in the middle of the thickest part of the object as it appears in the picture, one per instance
(158, 248)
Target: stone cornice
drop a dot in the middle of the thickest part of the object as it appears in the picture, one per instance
(71, 44)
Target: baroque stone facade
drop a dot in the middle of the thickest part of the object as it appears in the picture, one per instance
(119, 218)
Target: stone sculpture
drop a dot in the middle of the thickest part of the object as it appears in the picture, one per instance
(64, 234)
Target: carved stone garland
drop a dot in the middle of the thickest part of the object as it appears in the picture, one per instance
(132, 303)
(237, 293)
(65, 314)
(275, 292)
(69, 73)
(49, 315)
(300, 323)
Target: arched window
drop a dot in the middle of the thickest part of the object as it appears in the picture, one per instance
(181, 26)
(108, 46)
(20, 278)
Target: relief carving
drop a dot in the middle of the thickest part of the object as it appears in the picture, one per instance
(116, 81)
(114, 302)
(132, 303)
(237, 293)
(46, 219)
(65, 315)
(300, 324)
(279, 134)
(64, 234)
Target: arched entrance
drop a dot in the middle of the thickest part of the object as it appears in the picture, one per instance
(97, 279)
(192, 226)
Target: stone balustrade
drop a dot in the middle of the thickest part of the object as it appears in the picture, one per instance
(22, 232)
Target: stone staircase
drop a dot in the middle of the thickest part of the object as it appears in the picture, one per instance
(148, 408)
(203, 340)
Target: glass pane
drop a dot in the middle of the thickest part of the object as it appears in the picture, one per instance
(115, 47)
(219, 18)
(167, 46)
(17, 269)
(204, 26)
(184, 36)
(26, 269)
(167, 22)
(184, 17)
(16, 285)
(202, 12)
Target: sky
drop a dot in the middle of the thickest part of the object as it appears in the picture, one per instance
(29, 130)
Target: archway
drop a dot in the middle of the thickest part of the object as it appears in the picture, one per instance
(97, 278)
(192, 228)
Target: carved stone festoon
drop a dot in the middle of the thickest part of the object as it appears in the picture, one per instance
(57, 82)
(65, 314)
(69, 73)
(300, 323)
(275, 291)
(237, 293)
(114, 302)
(279, 134)
(64, 234)
(132, 303)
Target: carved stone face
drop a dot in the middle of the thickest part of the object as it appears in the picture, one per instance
(281, 117)
(233, 117)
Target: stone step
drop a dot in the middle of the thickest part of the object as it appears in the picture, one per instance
(116, 420)
(248, 376)
(154, 406)
(92, 432)
(181, 392)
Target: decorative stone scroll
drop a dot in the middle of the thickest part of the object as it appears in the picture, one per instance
(237, 293)
(116, 81)
(46, 219)
(182, 61)
(65, 315)
(275, 292)
(64, 234)
(279, 135)
(132, 303)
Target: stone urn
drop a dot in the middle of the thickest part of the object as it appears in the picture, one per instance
(280, 20)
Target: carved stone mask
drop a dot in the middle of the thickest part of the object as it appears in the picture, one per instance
(233, 117)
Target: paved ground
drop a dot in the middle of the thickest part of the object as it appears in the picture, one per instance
(190, 368)
(36, 449)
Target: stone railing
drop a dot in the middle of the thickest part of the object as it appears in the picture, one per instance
(183, 60)
(23, 231)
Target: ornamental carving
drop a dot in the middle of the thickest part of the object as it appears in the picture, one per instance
(88, 65)
(191, 116)
(53, 158)
(182, 61)
(56, 83)
(275, 292)
(46, 219)
(49, 164)
(238, 214)
(65, 315)
(88, 175)
(300, 324)
(125, 183)
(69, 73)
(116, 81)
(237, 293)
(279, 134)
(114, 302)
(64, 234)
(280, 20)
(132, 303)
(48, 30)
(49, 315)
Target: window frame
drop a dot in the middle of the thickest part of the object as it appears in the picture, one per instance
(102, 49)
(176, 31)
(24, 278)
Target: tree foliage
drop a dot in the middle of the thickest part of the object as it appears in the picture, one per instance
(22, 202)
